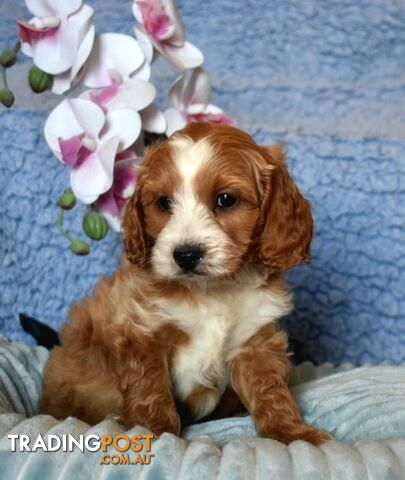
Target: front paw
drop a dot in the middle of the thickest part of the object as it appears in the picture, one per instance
(312, 435)
(289, 433)
(168, 423)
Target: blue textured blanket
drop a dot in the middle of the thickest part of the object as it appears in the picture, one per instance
(363, 408)
(328, 78)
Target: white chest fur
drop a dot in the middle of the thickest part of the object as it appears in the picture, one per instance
(218, 325)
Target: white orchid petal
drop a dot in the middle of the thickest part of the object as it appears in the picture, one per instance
(186, 57)
(175, 95)
(174, 15)
(153, 120)
(112, 51)
(107, 154)
(89, 180)
(213, 109)
(82, 18)
(124, 124)
(84, 50)
(175, 121)
(87, 94)
(158, 49)
(135, 94)
(136, 11)
(143, 72)
(26, 48)
(95, 174)
(64, 81)
(198, 88)
(65, 8)
(58, 8)
(86, 199)
(88, 115)
(61, 83)
(47, 22)
(196, 108)
(144, 42)
(129, 190)
(56, 54)
(61, 123)
(72, 117)
(191, 91)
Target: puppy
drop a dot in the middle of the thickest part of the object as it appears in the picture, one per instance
(191, 315)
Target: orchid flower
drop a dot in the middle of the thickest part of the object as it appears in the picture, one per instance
(59, 38)
(189, 98)
(153, 120)
(65, 81)
(86, 139)
(111, 73)
(160, 27)
(116, 72)
(111, 203)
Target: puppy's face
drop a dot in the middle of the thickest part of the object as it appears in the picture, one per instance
(208, 201)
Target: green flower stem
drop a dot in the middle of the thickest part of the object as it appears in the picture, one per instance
(4, 74)
(60, 228)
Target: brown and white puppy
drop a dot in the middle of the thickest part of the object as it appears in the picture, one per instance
(191, 315)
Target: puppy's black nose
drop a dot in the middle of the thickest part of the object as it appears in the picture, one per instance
(188, 257)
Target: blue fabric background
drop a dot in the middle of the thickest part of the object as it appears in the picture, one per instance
(327, 78)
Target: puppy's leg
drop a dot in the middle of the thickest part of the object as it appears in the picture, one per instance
(147, 393)
(74, 385)
(259, 374)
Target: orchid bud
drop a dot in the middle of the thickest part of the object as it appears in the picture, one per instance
(67, 200)
(17, 47)
(95, 225)
(6, 97)
(8, 58)
(80, 247)
(39, 81)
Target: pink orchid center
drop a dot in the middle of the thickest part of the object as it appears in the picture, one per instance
(126, 155)
(43, 27)
(155, 20)
(114, 199)
(105, 94)
(219, 118)
(75, 150)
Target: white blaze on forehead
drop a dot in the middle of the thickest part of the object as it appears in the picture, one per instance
(191, 220)
(189, 156)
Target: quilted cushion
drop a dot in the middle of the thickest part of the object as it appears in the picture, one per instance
(363, 408)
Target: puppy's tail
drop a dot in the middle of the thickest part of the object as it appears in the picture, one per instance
(44, 335)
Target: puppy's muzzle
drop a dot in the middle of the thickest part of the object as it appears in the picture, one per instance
(188, 257)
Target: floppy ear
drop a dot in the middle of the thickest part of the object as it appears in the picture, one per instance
(286, 215)
(134, 232)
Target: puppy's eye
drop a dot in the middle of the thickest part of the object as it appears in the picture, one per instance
(226, 200)
(164, 203)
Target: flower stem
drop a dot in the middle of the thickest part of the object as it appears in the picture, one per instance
(4, 74)
(60, 228)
